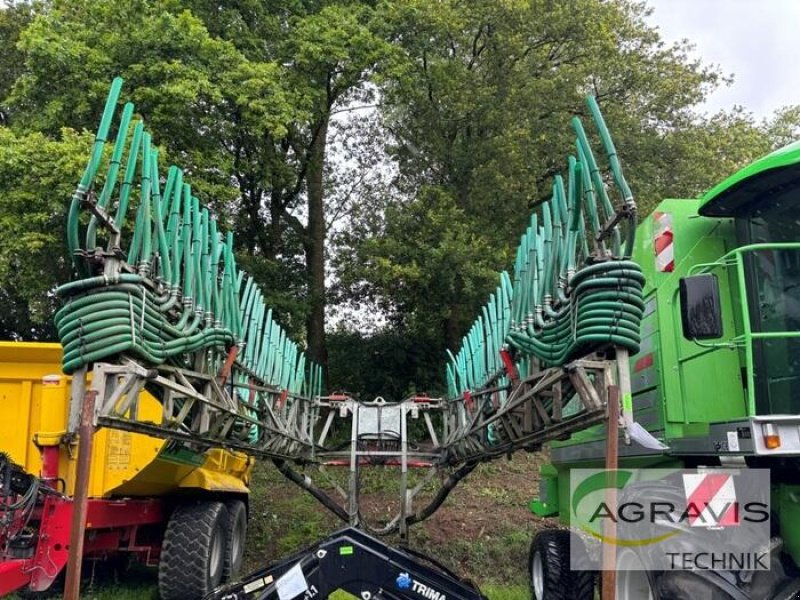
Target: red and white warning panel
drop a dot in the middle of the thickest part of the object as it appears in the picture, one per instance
(711, 499)
(663, 242)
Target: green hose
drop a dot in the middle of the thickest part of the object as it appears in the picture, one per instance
(87, 181)
(178, 291)
(564, 300)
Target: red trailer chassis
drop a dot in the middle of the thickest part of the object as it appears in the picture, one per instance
(111, 526)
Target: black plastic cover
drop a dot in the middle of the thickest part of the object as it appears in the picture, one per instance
(701, 312)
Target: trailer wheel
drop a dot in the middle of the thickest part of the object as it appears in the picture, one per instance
(633, 582)
(193, 552)
(235, 535)
(550, 574)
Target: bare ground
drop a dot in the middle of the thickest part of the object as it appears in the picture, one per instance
(482, 531)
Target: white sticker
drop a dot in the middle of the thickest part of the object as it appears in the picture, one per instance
(733, 441)
(292, 583)
(253, 586)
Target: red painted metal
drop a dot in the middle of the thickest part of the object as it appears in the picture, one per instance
(282, 398)
(225, 372)
(14, 574)
(111, 525)
(509, 365)
(50, 465)
(468, 401)
(52, 551)
(103, 514)
(643, 363)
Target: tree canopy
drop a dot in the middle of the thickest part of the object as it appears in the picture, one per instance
(375, 153)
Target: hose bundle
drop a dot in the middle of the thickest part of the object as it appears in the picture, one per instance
(574, 289)
(176, 290)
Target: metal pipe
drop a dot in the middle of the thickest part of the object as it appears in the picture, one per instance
(307, 485)
(609, 576)
(80, 499)
(624, 382)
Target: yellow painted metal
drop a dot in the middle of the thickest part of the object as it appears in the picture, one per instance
(221, 472)
(34, 400)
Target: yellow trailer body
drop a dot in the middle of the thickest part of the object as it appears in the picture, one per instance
(34, 406)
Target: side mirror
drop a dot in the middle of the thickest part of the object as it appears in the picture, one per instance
(701, 312)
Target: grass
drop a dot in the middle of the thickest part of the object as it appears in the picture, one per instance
(506, 592)
(482, 532)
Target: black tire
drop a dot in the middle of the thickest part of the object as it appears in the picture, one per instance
(235, 535)
(788, 591)
(677, 585)
(549, 570)
(634, 582)
(192, 555)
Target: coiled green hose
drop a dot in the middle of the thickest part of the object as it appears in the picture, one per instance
(574, 290)
(177, 292)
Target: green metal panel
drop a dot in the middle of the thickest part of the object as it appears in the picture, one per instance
(698, 385)
(678, 385)
(546, 505)
(732, 265)
(786, 503)
(752, 182)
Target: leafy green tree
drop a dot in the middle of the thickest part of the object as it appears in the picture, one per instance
(14, 17)
(478, 123)
(428, 268)
(424, 199)
(36, 174)
(329, 50)
(238, 93)
(201, 96)
(386, 363)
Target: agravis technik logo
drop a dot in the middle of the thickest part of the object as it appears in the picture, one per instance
(718, 515)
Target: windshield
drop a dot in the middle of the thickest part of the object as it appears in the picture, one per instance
(773, 286)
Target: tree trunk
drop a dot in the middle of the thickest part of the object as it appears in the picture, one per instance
(452, 329)
(315, 248)
(275, 230)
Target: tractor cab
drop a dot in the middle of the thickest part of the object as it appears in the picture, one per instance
(758, 276)
(764, 202)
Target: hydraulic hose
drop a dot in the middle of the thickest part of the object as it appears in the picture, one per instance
(177, 292)
(565, 299)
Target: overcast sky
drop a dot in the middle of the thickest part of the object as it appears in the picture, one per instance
(756, 40)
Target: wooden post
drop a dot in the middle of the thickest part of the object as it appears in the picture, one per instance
(609, 576)
(80, 499)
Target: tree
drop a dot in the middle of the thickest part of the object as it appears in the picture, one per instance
(335, 50)
(203, 99)
(13, 20)
(478, 123)
(329, 50)
(425, 200)
(243, 94)
(36, 175)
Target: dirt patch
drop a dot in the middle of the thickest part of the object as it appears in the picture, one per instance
(482, 531)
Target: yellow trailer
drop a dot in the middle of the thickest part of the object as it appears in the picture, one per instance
(183, 509)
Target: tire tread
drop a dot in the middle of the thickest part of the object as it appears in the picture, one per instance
(186, 550)
(560, 582)
(234, 508)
